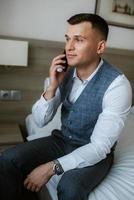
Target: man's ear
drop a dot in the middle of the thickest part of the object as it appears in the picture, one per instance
(101, 47)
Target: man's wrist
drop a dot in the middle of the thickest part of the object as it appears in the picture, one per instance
(49, 93)
(51, 165)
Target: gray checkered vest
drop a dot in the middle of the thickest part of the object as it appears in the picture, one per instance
(79, 119)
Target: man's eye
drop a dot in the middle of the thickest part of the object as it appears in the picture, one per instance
(79, 40)
(67, 39)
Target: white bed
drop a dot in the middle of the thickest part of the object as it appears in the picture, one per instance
(119, 184)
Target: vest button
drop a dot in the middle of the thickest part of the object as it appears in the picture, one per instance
(70, 136)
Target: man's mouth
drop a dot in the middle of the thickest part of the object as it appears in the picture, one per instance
(71, 56)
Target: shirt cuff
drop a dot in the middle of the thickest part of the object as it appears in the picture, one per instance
(44, 101)
(69, 162)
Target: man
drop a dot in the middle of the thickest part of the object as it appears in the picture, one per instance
(96, 99)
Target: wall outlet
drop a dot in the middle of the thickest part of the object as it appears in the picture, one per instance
(10, 95)
(16, 95)
(5, 95)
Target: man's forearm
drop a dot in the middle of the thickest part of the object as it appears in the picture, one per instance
(43, 110)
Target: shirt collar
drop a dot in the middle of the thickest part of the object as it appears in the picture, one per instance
(90, 76)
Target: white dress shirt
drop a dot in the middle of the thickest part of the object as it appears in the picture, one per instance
(116, 105)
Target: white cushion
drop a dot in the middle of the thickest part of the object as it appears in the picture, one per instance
(35, 132)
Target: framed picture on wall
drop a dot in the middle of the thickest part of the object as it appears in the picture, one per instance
(116, 12)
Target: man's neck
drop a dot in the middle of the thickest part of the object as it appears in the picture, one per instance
(84, 72)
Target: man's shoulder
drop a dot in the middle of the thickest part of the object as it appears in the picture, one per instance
(109, 67)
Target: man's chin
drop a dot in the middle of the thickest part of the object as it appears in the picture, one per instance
(72, 64)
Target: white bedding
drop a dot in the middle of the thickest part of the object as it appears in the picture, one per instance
(126, 139)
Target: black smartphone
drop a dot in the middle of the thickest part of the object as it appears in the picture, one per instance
(65, 65)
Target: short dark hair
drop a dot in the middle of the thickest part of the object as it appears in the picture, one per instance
(97, 22)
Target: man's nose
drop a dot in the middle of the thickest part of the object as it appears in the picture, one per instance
(70, 45)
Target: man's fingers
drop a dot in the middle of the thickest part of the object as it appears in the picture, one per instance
(31, 186)
(27, 183)
(37, 189)
(59, 57)
(58, 60)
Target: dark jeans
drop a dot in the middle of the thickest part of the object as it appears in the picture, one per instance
(17, 162)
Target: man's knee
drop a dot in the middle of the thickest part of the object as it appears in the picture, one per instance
(7, 161)
(10, 162)
(70, 188)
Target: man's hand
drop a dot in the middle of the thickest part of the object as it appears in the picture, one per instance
(39, 176)
(55, 77)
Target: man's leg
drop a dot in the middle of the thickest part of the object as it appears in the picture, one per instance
(77, 184)
(17, 162)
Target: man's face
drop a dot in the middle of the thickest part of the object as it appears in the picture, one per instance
(82, 44)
